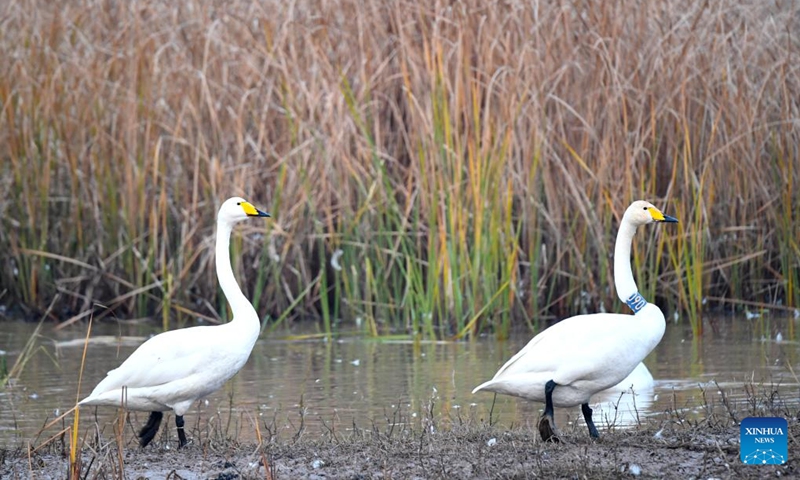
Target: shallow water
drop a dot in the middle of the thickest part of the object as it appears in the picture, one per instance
(353, 381)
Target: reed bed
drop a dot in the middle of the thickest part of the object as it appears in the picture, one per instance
(433, 168)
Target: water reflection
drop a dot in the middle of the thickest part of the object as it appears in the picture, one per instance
(363, 382)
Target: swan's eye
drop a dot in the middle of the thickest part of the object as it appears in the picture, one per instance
(239, 203)
(645, 208)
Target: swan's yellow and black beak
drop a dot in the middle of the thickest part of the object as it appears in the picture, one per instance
(660, 217)
(252, 211)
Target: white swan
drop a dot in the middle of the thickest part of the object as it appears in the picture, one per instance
(577, 357)
(173, 369)
(639, 380)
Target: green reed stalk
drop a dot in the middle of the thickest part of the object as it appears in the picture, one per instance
(687, 258)
(324, 291)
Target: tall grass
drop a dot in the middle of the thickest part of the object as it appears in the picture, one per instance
(470, 161)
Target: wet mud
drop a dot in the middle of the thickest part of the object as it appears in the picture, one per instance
(673, 449)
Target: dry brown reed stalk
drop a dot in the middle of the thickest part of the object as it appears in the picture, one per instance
(28, 351)
(260, 447)
(449, 149)
(119, 428)
(74, 447)
(46, 427)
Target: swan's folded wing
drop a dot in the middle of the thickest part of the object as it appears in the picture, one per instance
(162, 359)
(568, 339)
(522, 353)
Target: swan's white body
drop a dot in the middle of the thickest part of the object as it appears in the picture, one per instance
(622, 404)
(173, 369)
(581, 356)
(639, 380)
(587, 354)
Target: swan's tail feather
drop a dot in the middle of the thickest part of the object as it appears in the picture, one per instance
(483, 386)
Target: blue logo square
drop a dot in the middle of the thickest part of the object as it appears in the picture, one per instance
(763, 441)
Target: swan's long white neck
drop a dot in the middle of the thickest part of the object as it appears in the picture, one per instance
(243, 310)
(623, 276)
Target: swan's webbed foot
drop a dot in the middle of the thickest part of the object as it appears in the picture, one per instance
(547, 429)
(547, 424)
(587, 415)
(181, 434)
(148, 432)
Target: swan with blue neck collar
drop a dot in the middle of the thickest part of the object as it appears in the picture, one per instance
(564, 365)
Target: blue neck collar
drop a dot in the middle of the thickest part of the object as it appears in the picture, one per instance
(636, 302)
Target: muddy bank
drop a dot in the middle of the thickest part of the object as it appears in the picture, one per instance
(671, 449)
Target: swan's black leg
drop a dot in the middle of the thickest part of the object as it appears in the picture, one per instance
(587, 415)
(548, 398)
(547, 423)
(148, 432)
(181, 435)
